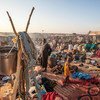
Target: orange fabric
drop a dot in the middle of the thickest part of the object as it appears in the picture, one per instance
(66, 69)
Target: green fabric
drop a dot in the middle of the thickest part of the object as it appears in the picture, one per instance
(90, 46)
(93, 46)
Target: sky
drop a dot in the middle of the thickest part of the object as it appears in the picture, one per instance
(60, 16)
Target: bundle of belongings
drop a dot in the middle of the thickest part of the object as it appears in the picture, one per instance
(33, 90)
(81, 75)
(58, 69)
(96, 54)
(57, 61)
(52, 61)
(6, 83)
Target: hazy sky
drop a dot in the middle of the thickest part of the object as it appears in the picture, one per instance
(67, 16)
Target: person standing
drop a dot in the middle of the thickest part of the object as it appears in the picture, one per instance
(70, 46)
(46, 51)
(67, 72)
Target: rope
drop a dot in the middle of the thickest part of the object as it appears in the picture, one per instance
(11, 50)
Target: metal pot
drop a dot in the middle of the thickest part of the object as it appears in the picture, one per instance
(8, 63)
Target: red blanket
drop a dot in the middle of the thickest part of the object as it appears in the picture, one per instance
(51, 96)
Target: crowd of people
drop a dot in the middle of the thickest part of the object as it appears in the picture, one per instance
(59, 57)
(56, 49)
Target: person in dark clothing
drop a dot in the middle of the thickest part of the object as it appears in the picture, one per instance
(46, 51)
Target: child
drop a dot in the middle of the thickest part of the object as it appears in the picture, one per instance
(67, 69)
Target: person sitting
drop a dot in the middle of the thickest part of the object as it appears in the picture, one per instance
(90, 46)
(76, 57)
(70, 46)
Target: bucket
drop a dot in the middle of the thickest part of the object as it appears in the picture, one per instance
(8, 63)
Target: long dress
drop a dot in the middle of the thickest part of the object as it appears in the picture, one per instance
(46, 51)
(66, 69)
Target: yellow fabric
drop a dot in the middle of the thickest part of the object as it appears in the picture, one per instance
(66, 69)
(14, 40)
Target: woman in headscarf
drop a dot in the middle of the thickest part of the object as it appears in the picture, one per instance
(46, 51)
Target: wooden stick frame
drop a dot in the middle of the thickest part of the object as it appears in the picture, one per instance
(12, 24)
(28, 22)
(19, 55)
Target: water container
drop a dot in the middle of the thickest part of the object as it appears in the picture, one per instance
(8, 63)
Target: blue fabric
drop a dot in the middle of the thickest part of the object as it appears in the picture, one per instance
(64, 55)
(42, 92)
(52, 56)
(81, 75)
(6, 79)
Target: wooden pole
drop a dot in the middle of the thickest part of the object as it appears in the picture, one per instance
(19, 66)
(12, 24)
(22, 80)
(19, 55)
(29, 20)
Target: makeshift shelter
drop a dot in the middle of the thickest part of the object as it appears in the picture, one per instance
(95, 35)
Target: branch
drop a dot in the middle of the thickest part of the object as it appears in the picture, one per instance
(29, 19)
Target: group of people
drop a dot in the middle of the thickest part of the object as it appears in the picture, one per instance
(69, 52)
(77, 48)
(60, 56)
